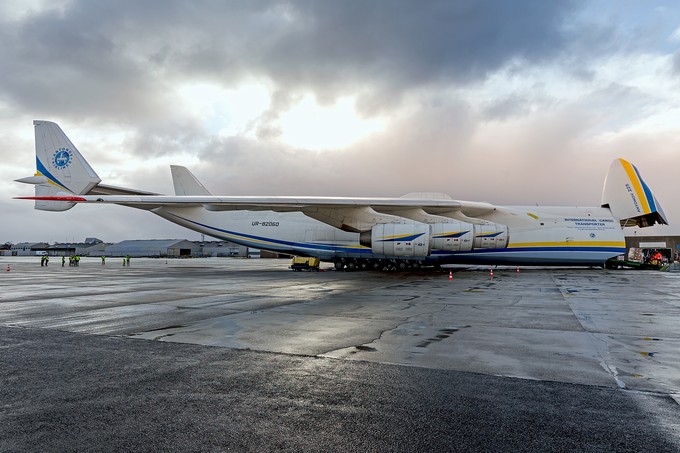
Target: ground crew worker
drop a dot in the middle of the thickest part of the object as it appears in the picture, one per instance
(63, 261)
(77, 257)
(103, 260)
(127, 259)
(42, 260)
(123, 261)
(47, 260)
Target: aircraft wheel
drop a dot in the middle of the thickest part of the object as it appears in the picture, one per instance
(402, 265)
(352, 266)
(364, 265)
(338, 265)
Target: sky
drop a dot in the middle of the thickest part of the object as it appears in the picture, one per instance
(512, 103)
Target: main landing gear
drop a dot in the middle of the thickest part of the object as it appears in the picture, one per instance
(389, 265)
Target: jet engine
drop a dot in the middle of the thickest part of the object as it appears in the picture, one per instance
(416, 240)
(491, 236)
(453, 236)
(398, 239)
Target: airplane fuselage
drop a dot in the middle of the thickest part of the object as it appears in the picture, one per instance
(548, 235)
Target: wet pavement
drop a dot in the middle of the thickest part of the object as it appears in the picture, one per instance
(218, 354)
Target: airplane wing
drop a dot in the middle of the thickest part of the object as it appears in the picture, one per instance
(349, 214)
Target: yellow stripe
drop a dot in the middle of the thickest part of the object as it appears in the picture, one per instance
(635, 181)
(398, 236)
(57, 185)
(439, 235)
(534, 216)
(571, 243)
(49, 181)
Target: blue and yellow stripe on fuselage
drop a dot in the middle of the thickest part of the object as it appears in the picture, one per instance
(539, 253)
(582, 252)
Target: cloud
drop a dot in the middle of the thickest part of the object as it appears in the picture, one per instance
(97, 59)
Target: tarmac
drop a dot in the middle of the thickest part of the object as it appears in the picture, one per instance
(226, 354)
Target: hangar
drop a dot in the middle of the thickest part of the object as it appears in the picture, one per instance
(153, 248)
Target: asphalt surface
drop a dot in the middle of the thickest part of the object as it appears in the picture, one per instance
(74, 392)
(127, 360)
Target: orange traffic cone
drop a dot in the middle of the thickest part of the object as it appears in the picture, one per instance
(491, 272)
(8, 268)
(450, 275)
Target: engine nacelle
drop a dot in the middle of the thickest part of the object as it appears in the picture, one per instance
(416, 240)
(398, 239)
(490, 236)
(452, 236)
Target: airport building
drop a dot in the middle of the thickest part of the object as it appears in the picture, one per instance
(165, 248)
(221, 249)
(668, 246)
(91, 247)
(27, 248)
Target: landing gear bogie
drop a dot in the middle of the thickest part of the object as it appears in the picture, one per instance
(386, 265)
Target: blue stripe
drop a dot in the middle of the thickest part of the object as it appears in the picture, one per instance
(648, 193)
(45, 172)
(402, 239)
(488, 235)
(619, 250)
(313, 246)
(450, 235)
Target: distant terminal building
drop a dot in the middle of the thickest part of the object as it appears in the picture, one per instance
(165, 248)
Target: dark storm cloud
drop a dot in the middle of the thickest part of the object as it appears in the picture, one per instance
(406, 44)
(67, 65)
(118, 60)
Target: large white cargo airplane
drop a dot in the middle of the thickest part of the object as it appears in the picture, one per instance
(399, 233)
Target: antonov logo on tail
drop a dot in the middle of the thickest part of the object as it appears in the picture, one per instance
(61, 158)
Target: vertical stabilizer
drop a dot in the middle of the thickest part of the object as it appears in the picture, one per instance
(59, 167)
(629, 198)
(185, 182)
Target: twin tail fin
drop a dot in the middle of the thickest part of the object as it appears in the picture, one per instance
(60, 168)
